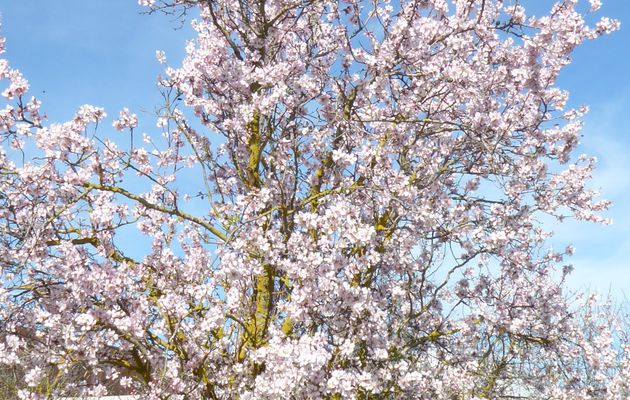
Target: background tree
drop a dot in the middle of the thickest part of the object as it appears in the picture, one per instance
(343, 203)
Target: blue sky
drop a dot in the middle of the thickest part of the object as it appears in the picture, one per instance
(99, 52)
(102, 52)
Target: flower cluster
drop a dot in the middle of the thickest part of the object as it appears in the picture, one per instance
(125, 120)
(351, 213)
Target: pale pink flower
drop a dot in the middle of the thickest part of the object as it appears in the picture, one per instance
(125, 120)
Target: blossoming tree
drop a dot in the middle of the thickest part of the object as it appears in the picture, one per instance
(341, 202)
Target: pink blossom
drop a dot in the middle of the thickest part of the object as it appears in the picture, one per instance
(345, 206)
(125, 120)
(160, 56)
